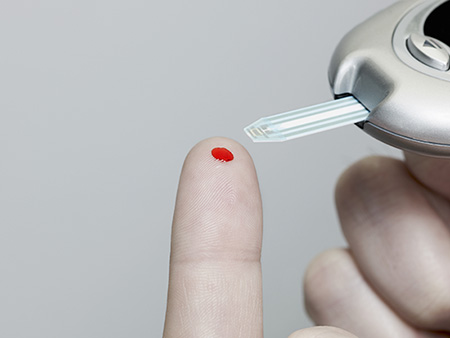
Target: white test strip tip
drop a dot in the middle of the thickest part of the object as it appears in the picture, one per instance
(307, 121)
(260, 131)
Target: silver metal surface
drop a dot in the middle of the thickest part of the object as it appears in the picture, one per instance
(413, 22)
(409, 101)
(429, 51)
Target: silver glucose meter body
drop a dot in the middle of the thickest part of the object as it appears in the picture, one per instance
(397, 64)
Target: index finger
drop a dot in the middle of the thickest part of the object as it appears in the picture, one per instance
(215, 272)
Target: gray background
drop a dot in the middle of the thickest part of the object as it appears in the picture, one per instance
(100, 102)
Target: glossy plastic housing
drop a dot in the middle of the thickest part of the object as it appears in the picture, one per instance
(409, 101)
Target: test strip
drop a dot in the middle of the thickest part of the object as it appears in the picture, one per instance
(307, 121)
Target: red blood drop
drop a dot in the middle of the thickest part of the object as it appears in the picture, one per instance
(222, 154)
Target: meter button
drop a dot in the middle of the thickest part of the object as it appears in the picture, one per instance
(429, 51)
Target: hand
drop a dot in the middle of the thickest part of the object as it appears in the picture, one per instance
(215, 270)
(394, 281)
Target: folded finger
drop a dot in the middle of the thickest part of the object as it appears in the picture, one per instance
(398, 240)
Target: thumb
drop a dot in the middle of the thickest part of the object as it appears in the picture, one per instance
(215, 270)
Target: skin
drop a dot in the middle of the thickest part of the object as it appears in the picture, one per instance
(392, 281)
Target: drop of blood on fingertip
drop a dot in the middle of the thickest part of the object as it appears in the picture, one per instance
(222, 154)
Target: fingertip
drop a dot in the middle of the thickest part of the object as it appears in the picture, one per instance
(326, 282)
(322, 332)
(324, 262)
(218, 203)
(219, 152)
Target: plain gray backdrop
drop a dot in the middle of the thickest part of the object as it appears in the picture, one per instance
(100, 102)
